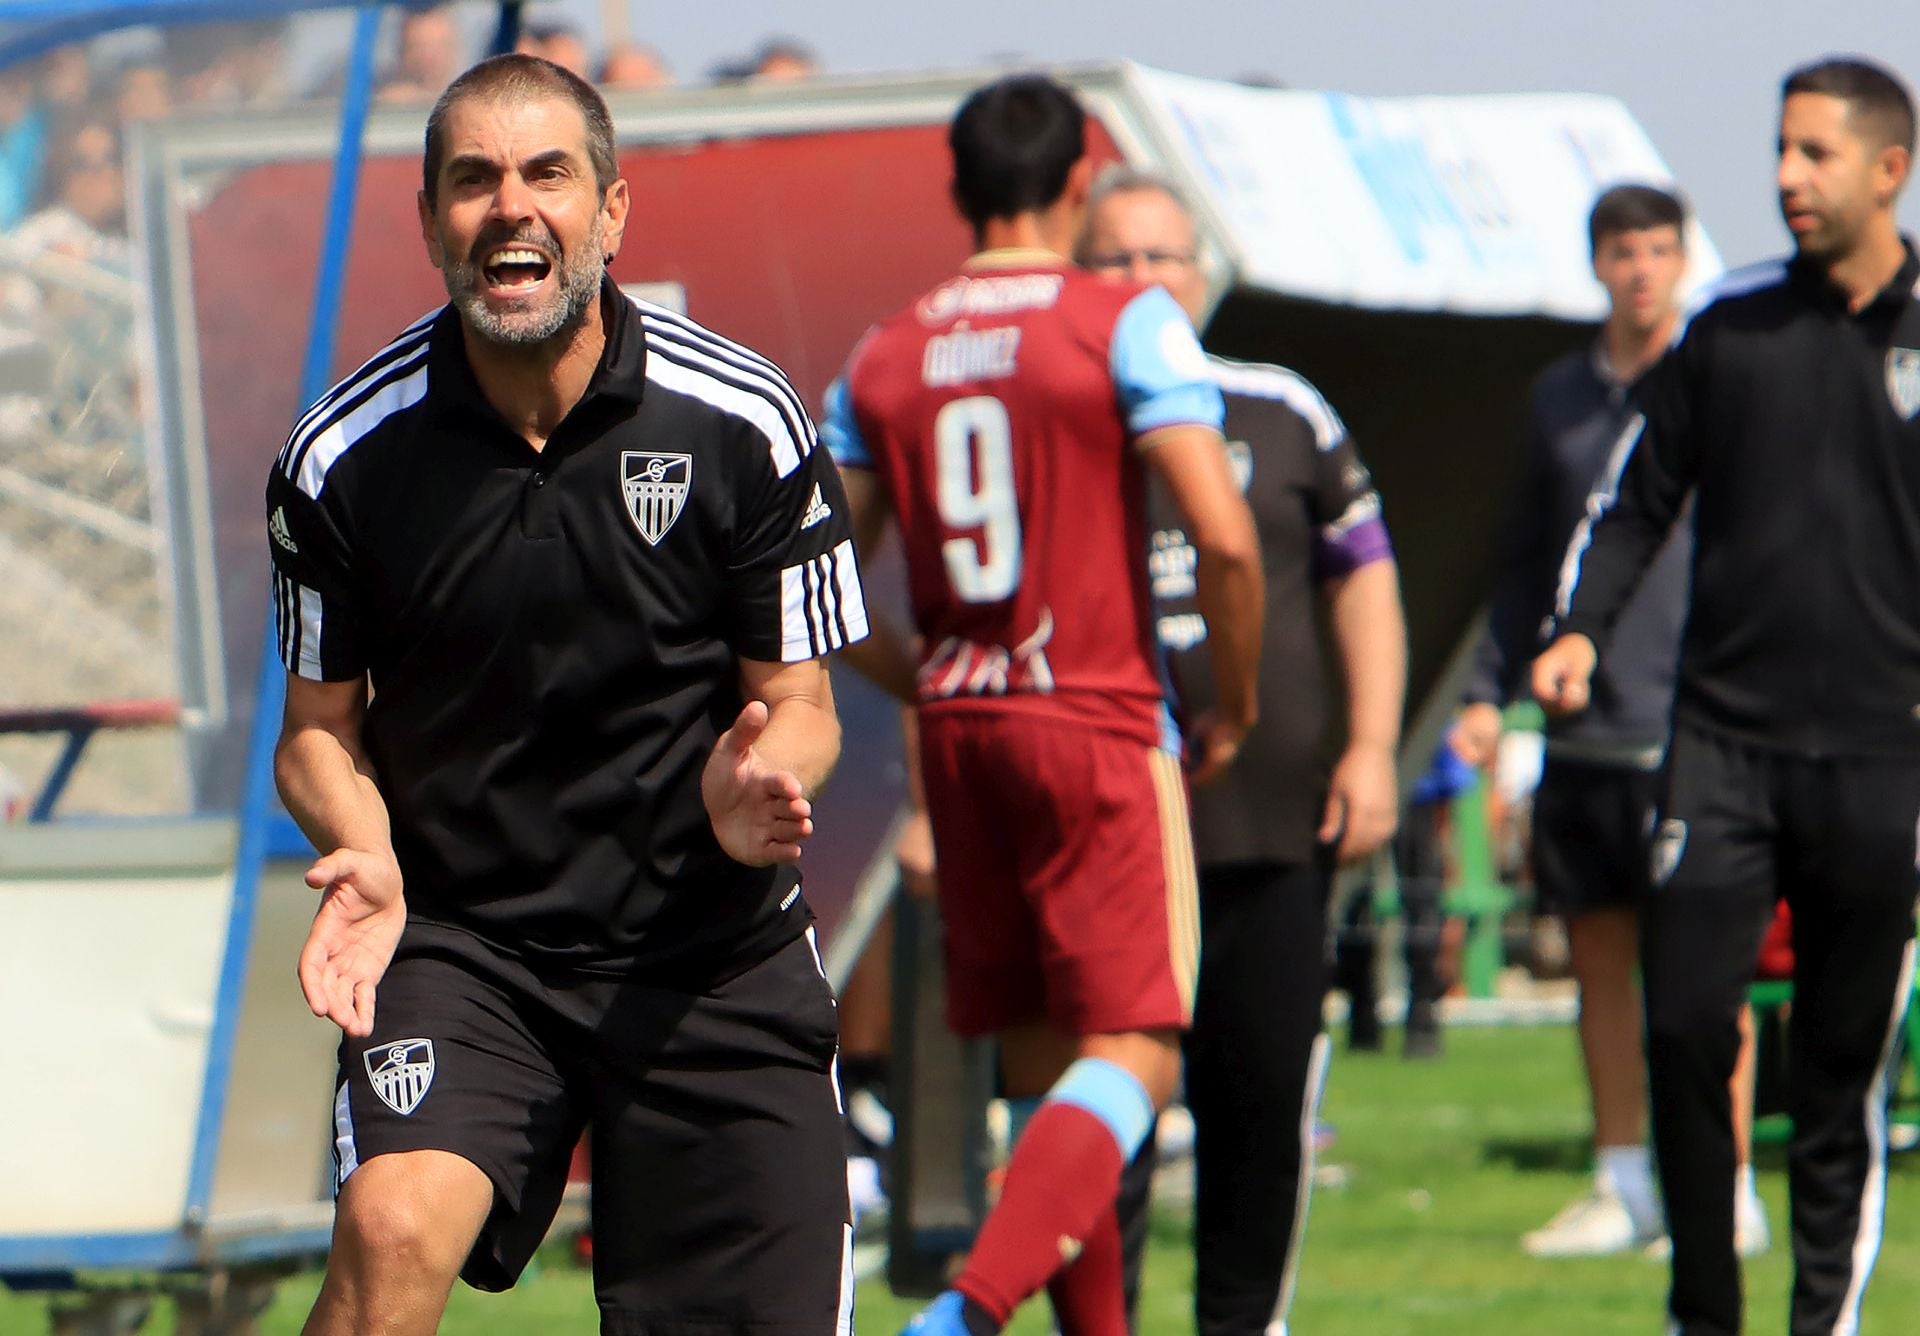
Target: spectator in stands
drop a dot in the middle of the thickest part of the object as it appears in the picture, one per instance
(634, 65)
(782, 60)
(257, 56)
(87, 219)
(142, 91)
(23, 144)
(65, 80)
(558, 43)
(1594, 807)
(430, 53)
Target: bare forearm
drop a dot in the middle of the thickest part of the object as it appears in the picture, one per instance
(885, 658)
(803, 738)
(1232, 596)
(1370, 633)
(329, 794)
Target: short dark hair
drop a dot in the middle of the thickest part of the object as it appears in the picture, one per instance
(1876, 99)
(1014, 143)
(1634, 208)
(518, 77)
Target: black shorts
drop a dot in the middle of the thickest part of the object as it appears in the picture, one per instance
(1592, 827)
(719, 1171)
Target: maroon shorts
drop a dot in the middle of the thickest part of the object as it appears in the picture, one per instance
(1067, 887)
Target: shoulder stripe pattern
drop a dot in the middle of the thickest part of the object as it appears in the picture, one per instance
(342, 415)
(1263, 380)
(411, 340)
(821, 608)
(1739, 282)
(691, 360)
(1599, 501)
(296, 611)
(330, 438)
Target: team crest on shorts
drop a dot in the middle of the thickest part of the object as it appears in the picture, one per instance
(1903, 380)
(401, 1072)
(1669, 843)
(655, 487)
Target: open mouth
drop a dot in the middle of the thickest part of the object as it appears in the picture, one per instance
(516, 269)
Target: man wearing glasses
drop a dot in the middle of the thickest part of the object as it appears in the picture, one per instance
(1269, 832)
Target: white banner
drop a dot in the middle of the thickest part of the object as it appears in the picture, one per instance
(1475, 205)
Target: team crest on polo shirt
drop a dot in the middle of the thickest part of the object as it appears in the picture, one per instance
(655, 488)
(1669, 843)
(1903, 380)
(401, 1072)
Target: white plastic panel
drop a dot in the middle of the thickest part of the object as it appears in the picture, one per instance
(108, 988)
(1475, 205)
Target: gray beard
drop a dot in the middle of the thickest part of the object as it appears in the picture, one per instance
(533, 321)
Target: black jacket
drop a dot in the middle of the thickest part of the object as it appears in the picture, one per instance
(1793, 421)
(1576, 415)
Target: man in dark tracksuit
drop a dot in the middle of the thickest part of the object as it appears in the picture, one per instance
(1268, 832)
(1789, 408)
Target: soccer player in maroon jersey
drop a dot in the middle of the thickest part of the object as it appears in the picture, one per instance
(1007, 420)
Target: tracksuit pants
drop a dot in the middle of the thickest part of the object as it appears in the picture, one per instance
(1255, 1065)
(1836, 837)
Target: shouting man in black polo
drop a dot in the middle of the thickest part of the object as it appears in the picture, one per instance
(587, 557)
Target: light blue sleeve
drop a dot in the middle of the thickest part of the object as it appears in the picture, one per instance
(1159, 370)
(839, 430)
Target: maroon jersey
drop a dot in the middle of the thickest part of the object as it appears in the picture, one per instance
(1000, 412)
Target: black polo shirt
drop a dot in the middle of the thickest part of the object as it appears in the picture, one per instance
(1795, 423)
(1314, 503)
(553, 636)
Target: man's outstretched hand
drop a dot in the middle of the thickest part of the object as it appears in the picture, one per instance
(760, 815)
(353, 935)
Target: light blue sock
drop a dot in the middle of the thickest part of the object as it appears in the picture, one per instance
(1112, 1094)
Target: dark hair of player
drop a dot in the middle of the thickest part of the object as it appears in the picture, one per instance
(1878, 104)
(1014, 142)
(1634, 208)
(516, 77)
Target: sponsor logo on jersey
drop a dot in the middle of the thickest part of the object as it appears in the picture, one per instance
(401, 1072)
(1903, 380)
(967, 355)
(1181, 631)
(1240, 459)
(817, 510)
(282, 534)
(1669, 843)
(992, 294)
(1171, 564)
(655, 489)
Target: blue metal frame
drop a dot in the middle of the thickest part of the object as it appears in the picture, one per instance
(260, 832)
(30, 28)
(55, 783)
(35, 27)
(62, 1254)
(257, 801)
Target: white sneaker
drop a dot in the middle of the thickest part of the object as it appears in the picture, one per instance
(1596, 1225)
(1750, 1234)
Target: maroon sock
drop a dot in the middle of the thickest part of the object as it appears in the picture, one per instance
(1089, 1296)
(1059, 1190)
